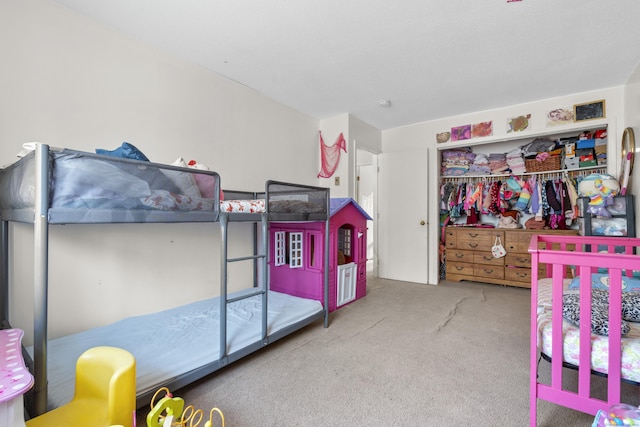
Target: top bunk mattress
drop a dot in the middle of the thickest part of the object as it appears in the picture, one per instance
(79, 187)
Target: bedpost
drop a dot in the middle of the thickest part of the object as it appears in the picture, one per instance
(264, 262)
(4, 274)
(533, 370)
(327, 252)
(224, 223)
(40, 278)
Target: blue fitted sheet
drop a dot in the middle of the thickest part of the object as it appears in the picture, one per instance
(174, 341)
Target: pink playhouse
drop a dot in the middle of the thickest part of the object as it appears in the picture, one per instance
(297, 250)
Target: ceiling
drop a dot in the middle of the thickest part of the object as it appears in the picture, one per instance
(429, 58)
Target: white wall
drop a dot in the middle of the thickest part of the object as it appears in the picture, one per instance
(423, 134)
(70, 82)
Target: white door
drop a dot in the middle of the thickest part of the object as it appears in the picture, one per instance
(366, 191)
(403, 233)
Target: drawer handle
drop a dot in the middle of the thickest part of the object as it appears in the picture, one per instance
(459, 268)
(473, 234)
(522, 274)
(487, 258)
(523, 259)
(488, 271)
(459, 256)
(473, 245)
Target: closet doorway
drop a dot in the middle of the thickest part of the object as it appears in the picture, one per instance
(366, 196)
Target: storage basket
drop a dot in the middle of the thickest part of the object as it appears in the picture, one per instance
(551, 163)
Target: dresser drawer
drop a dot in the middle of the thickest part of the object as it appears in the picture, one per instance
(517, 274)
(458, 255)
(450, 238)
(518, 260)
(459, 268)
(495, 272)
(486, 258)
(477, 240)
(518, 241)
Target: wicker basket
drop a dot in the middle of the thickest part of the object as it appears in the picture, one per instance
(551, 163)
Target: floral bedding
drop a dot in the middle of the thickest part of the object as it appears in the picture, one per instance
(246, 206)
(599, 344)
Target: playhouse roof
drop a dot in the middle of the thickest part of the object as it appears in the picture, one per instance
(336, 204)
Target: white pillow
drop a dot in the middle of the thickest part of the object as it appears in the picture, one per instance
(183, 180)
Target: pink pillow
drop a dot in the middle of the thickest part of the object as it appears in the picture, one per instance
(206, 183)
(207, 186)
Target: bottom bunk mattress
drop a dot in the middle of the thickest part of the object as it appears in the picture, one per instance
(599, 343)
(172, 342)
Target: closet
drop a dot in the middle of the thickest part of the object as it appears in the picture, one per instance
(475, 203)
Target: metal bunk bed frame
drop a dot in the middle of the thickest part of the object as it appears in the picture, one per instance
(36, 401)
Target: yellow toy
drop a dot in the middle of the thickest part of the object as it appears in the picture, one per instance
(166, 410)
(170, 412)
(105, 392)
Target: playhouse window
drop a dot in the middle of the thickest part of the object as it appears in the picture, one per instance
(314, 251)
(344, 241)
(279, 248)
(295, 250)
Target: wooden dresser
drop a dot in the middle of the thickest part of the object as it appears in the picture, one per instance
(468, 255)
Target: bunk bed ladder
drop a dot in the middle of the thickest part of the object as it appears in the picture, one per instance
(260, 280)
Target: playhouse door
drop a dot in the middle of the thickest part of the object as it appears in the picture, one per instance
(346, 283)
(403, 231)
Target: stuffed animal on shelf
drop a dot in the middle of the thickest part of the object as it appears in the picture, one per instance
(600, 189)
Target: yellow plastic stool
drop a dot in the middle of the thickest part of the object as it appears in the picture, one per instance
(105, 392)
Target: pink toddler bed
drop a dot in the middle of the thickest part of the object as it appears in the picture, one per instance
(616, 355)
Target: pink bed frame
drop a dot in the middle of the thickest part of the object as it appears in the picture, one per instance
(556, 253)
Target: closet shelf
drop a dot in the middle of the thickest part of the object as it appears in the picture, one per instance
(555, 132)
(575, 171)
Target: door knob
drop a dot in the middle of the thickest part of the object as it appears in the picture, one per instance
(422, 222)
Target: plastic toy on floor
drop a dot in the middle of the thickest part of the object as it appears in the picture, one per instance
(105, 392)
(618, 415)
(169, 411)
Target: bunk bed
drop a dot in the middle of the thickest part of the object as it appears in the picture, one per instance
(61, 186)
(580, 322)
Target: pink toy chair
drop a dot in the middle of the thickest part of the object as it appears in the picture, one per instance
(105, 392)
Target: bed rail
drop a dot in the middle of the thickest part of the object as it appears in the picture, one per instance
(556, 257)
(93, 188)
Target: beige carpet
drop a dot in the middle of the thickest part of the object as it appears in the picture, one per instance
(456, 354)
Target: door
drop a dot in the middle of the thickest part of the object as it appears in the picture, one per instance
(366, 192)
(403, 232)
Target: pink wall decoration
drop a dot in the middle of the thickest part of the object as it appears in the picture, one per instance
(331, 156)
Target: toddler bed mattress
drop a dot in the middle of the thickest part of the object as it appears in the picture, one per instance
(174, 341)
(599, 343)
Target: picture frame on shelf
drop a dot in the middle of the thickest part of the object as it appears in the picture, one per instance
(560, 116)
(482, 129)
(519, 123)
(589, 111)
(460, 133)
(443, 137)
